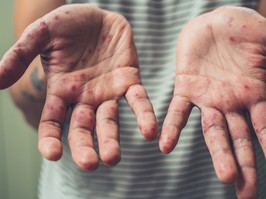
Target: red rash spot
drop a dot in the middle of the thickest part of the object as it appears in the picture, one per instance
(231, 19)
(224, 84)
(212, 140)
(56, 17)
(226, 151)
(106, 141)
(90, 51)
(232, 39)
(244, 26)
(61, 108)
(91, 121)
(43, 25)
(67, 12)
(73, 88)
(90, 92)
(72, 63)
(79, 116)
(64, 80)
(209, 27)
(214, 116)
(112, 108)
(104, 38)
(19, 45)
(246, 87)
(82, 76)
(50, 107)
(154, 128)
(136, 95)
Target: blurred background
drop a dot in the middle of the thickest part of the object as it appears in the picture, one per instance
(19, 157)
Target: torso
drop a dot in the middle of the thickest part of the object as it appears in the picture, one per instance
(144, 172)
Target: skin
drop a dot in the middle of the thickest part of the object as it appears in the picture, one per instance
(226, 81)
(262, 7)
(238, 70)
(98, 65)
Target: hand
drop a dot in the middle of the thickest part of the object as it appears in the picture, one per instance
(90, 62)
(221, 68)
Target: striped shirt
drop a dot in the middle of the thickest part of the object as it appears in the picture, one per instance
(144, 172)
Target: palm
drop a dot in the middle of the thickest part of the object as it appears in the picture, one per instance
(227, 71)
(221, 70)
(83, 55)
(90, 62)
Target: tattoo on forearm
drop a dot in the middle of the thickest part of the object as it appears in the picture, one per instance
(31, 97)
(37, 83)
(28, 96)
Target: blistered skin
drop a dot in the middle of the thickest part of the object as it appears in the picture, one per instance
(90, 62)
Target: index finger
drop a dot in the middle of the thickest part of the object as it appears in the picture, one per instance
(139, 102)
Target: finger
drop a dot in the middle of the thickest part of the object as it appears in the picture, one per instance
(50, 127)
(246, 184)
(258, 118)
(175, 120)
(80, 137)
(107, 132)
(217, 139)
(139, 102)
(17, 59)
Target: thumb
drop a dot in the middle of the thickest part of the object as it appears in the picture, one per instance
(17, 59)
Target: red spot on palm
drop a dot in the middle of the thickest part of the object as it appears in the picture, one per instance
(73, 88)
(246, 87)
(232, 39)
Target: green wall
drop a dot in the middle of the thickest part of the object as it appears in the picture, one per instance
(19, 157)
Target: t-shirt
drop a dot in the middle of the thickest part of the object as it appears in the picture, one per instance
(144, 172)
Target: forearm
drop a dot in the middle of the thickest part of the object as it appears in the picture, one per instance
(262, 7)
(29, 93)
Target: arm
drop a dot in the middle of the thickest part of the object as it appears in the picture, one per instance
(262, 7)
(29, 92)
